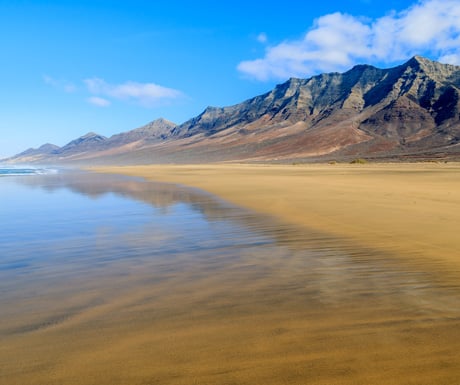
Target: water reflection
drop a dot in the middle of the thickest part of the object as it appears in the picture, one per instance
(135, 271)
(160, 195)
(195, 223)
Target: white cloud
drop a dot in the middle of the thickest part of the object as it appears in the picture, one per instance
(451, 59)
(99, 102)
(337, 41)
(63, 85)
(262, 37)
(146, 94)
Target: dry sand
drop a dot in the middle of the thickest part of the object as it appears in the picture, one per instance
(410, 210)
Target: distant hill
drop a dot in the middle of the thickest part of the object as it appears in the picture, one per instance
(411, 111)
(44, 150)
(93, 145)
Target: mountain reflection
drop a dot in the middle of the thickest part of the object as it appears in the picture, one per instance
(204, 278)
(159, 195)
(334, 269)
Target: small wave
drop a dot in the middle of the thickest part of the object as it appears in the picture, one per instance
(19, 171)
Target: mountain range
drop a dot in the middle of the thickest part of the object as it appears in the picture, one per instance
(408, 112)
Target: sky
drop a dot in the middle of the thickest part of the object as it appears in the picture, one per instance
(72, 67)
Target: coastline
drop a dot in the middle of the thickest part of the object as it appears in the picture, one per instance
(410, 210)
(145, 300)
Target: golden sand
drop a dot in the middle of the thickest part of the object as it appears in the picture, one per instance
(412, 210)
(265, 318)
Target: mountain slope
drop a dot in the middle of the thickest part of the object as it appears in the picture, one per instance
(398, 105)
(411, 110)
(94, 145)
(31, 155)
(159, 129)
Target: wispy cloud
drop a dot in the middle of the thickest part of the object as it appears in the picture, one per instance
(99, 102)
(145, 94)
(60, 84)
(262, 37)
(337, 41)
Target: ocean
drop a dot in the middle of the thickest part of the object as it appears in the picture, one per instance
(15, 171)
(116, 280)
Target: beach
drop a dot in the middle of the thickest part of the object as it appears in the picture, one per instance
(138, 282)
(409, 210)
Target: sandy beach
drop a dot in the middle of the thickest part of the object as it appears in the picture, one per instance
(409, 210)
(369, 296)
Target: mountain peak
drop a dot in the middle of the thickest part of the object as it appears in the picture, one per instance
(361, 68)
(159, 123)
(157, 129)
(420, 59)
(419, 62)
(432, 68)
(48, 147)
(83, 143)
(91, 135)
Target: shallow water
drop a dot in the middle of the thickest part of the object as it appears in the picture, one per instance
(112, 280)
(23, 171)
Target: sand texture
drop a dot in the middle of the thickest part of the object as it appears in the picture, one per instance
(379, 304)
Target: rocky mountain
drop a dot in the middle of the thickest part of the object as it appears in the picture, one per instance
(407, 112)
(93, 145)
(89, 142)
(366, 111)
(157, 130)
(45, 149)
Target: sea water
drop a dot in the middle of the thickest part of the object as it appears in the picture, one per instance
(107, 279)
(24, 171)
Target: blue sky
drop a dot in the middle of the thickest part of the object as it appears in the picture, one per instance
(70, 67)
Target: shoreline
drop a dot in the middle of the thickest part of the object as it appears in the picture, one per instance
(409, 210)
(167, 284)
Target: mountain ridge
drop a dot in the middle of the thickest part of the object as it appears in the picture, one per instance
(408, 111)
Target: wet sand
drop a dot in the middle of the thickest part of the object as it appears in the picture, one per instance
(308, 308)
(410, 210)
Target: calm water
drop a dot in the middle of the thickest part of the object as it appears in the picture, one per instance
(106, 279)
